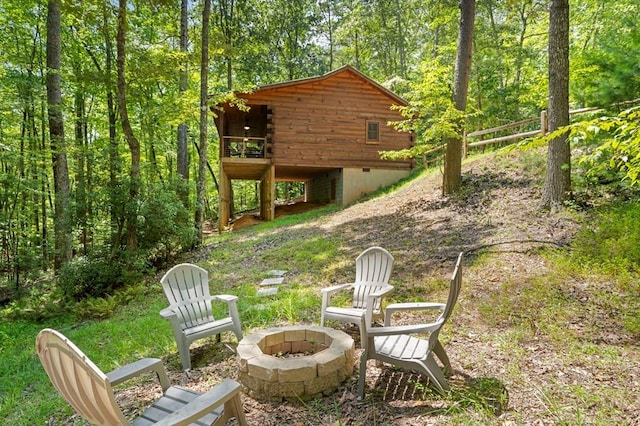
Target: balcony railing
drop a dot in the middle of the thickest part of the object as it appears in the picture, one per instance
(244, 146)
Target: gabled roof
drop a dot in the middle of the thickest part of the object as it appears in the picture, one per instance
(343, 69)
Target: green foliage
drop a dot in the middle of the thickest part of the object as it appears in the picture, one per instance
(85, 277)
(104, 307)
(431, 113)
(610, 242)
(289, 190)
(610, 147)
(38, 301)
(165, 225)
(604, 63)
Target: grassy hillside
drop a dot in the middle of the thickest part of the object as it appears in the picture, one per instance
(546, 328)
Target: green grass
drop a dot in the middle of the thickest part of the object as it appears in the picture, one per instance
(585, 309)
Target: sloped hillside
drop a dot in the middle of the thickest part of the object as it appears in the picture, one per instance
(527, 347)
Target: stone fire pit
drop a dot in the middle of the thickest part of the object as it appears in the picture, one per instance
(294, 362)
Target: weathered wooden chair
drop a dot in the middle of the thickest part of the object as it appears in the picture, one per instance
(89, 391)
(395, 344)
(190, 311)
(373, 269)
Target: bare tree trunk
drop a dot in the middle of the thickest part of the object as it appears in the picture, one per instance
(226, 22)
(452, 177)
(114, 160)
(134, 145)
(183, 155)
(204, 113)
(62, 224)
(400, 40)
(557, 182)
(81, 181)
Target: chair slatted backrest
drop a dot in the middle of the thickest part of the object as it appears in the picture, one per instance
(374, 265)
(187, 289)
(82, 384)
(373, 270)
(454, 292)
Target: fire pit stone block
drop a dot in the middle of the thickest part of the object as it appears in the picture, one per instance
(294, 362)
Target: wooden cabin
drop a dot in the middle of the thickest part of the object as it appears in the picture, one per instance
(324, 131)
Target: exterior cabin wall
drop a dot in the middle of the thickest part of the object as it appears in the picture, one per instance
(359, 182)
(324, 123)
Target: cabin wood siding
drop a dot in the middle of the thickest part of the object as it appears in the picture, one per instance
(323, 123)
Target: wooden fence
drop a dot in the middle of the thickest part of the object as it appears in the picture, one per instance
(540, 131)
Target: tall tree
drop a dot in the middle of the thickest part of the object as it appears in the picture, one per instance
(557, 182)
(183, 159)
(204, 113)
(227, 20)
(62, 220)
(453, 158)
(134, 144)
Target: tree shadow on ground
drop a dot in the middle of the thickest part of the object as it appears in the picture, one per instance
(403, 388)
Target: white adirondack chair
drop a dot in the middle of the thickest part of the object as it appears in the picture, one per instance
(373, 269)
(190, 311)
(89, 391)
(395, 344)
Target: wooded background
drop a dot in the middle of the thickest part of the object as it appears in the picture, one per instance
(408, 46)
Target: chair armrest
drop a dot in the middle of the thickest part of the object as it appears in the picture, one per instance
(335, 288)
(203, 404)
(378, 294)
(403, 329)
(221, 297)
(137, 368)
(371, 298)
(225, 297)
(327, 292)
(381, 293)
(411, 306)
(168, 313)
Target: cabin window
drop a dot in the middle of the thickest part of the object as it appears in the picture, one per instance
(373, 132)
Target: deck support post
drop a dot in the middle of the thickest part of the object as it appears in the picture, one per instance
(268, 194)
(224, 207)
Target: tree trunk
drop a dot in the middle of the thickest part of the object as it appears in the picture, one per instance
(114, 159)
(62, 224)
(134, 145)
(81, 182)
(204, 113)
(558, 177)
(400, 40)
(453, 158)
(183, 156)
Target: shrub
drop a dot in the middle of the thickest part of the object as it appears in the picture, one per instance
(86, 277)
(166, 225)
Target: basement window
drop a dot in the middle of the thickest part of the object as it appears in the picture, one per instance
(373, 132)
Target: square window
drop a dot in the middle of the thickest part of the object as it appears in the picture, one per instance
(373, 131)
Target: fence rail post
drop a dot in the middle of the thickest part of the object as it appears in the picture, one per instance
(465, 148)
(544, 124)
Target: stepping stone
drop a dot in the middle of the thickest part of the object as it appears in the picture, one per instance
(272, 281)
(261, 306)
(267, 291)
(276, 273)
